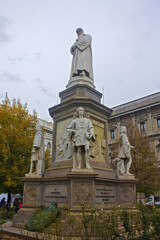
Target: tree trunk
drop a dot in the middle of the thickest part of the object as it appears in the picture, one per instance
(9, 199)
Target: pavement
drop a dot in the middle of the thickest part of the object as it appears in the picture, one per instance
(7, 227)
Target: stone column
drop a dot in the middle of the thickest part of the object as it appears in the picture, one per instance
(118, 128)
(149, 122)
(133, 117)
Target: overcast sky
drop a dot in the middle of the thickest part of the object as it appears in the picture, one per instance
(35, 41)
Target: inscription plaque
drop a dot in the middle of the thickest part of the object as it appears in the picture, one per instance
(55, 193)
(105, 194)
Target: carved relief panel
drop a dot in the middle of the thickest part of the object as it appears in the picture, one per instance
(81, 193)
(98, 148)
(127, 194)
(32, 194)
(63, 143)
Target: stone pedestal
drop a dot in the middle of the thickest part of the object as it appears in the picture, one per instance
(63, 113)
(100, 189)
(63, 183)
(76, 190)
(80, 80)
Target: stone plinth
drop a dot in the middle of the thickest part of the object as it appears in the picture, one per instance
(99, 188)
(126, 176)
(74, 191)
(80, 90)
(22, 217)
(76, 170)
(80, 80)
(33, 175)
(64, 113)
(63, 182)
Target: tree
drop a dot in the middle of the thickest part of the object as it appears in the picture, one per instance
(143, 161)
(16, 139)
(47, 158)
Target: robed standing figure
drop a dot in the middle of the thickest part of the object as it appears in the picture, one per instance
(124, 152)
(81, 132)
(82, 56)
(38, 153)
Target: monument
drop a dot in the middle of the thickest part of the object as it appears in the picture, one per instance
(80, 172)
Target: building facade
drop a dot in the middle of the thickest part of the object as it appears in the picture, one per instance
(146, 113)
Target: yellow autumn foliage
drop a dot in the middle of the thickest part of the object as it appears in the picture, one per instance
(17, 129)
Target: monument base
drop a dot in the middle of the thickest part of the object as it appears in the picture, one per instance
(85, 170)
(126, 176)
(75, 190)
(80, 80)
(34, 175)
(22, 217)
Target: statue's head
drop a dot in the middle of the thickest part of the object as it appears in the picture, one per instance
(123, 129)
(38, 128)
(79, 110)
(79, 31)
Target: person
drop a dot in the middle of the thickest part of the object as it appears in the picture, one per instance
(82, 55)
(81, 131)
(124, 152)
(16, 204)
(20, 205)
(38, 152)
(3, 202)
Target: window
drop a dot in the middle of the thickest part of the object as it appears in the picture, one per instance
(112, 134)
(158, 122)
(142, 125)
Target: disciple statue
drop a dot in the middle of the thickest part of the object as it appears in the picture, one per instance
(38, 153)
(82, 56)
(81, 132)
(124, 159)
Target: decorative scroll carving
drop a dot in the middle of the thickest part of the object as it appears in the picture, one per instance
(82, 194)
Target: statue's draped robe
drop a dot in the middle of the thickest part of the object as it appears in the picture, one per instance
(84, 129)
(124, 151)
(38, 147)
(82, 56)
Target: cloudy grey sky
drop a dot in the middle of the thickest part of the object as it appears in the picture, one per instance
(35, 41)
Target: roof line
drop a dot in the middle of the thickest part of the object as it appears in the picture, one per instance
(135, 109)
(128, 103)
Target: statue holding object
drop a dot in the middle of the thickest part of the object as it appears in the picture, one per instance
(124, 160)
(81, 132)
(37, 166)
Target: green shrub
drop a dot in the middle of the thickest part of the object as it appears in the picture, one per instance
(156, 223)
(42, 218)
(3, 213)
(142, 223)
(146, 221)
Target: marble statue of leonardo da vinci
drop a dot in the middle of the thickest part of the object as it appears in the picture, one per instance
(82, 56)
